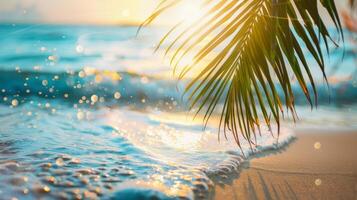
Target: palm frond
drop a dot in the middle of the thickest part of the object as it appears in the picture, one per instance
(250, 45)
(352, 3)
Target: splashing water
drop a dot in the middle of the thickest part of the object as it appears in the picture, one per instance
(110, 151)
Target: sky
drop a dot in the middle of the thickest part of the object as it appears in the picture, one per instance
(76, 11)
(85, 11)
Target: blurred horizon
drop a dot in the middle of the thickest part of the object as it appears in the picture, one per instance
(75, 12)
(93, 12)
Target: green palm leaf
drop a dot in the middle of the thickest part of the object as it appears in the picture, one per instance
(252, 44)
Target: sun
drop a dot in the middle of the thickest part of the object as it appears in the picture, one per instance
(189, 11)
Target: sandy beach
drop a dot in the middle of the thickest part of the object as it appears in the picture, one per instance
(319, 164)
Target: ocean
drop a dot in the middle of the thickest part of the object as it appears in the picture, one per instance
(92, 112)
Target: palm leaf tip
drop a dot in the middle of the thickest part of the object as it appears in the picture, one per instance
(254, 47)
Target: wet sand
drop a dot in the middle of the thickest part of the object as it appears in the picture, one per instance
(317, 165)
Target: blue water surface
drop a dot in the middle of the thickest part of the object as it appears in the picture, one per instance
(89, 112)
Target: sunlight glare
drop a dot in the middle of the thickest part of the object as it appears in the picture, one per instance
(190, 11)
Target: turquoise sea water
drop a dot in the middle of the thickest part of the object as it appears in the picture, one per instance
(84, 113)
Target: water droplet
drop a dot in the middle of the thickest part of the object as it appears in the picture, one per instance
(44, 82)
(59, 162)
(94, 98)
(25, 191)
(52, 58)
(80, 115)
(46, 189)
(317, 145)
(318, 182)
(79, 48)
(14, 102)
(117, 95)
(82, 74)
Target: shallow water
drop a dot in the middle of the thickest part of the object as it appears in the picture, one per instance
(77, 122)
(109, 151)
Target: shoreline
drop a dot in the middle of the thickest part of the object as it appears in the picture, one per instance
(319, 164)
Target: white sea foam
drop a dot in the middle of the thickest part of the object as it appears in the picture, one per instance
(177, 140)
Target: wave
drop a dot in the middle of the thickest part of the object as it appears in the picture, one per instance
(72, 87)
(146, 154)
(128, 88)
(34, 58)
(175, 140)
